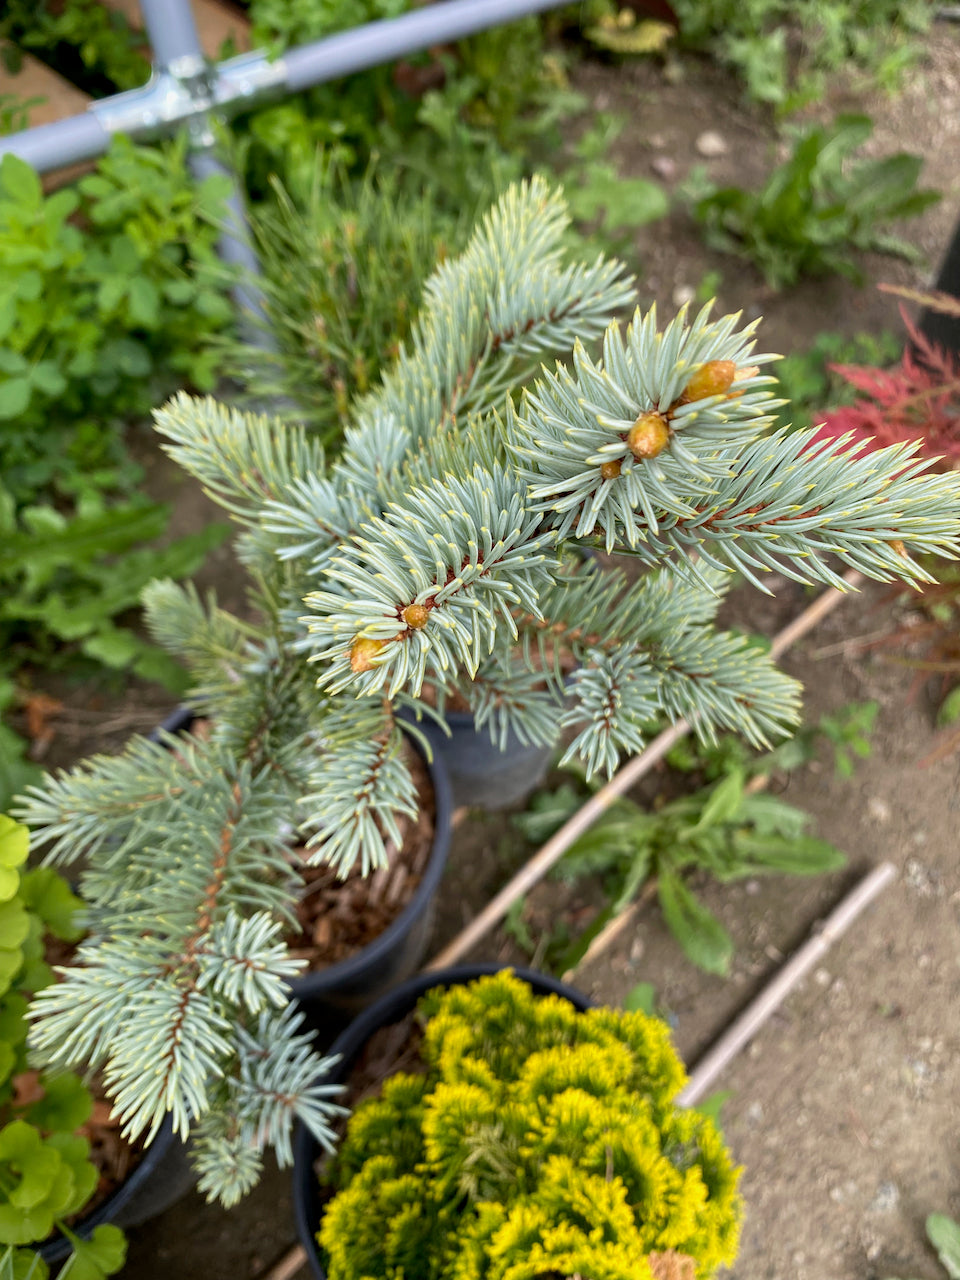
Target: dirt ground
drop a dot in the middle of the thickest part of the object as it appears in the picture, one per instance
(845, 1109)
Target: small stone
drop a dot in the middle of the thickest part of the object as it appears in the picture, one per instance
(755, 1112)
(822, 977)
(710, 143)
(878, 809)
(601, 102)
(886, 1198)
(657, 140)
(752, 888)
(636, 950)
(926, 882)
(664, 167)
(683, 294)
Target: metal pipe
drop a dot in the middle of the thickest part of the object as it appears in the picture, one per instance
(52, 146)
(185, 88)
(235, 248)
(379, 42)
(172, 31)
(192, 86)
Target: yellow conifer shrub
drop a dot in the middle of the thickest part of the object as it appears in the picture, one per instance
(539, 1141)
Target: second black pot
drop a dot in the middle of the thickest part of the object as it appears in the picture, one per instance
(480, 773)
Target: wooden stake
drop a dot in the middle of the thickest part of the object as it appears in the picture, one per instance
(288, 1265)
(745, 1027)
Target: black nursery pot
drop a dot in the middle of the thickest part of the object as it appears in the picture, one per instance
(351, 984)
(392, 1007)
(157, 1182)
(480, 773)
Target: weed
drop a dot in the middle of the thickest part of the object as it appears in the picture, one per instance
(944, 1234)
(106, 293)
(342, 285)
(811, 379)
(597, 194)
(783, 50)
(727, 829)
(89, 42)
(816, 207)
(847, 731)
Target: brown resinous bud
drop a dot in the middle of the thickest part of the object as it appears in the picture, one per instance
(649, 435)
(610, 470)
(363, 651)
(415, 616)
(715, 378)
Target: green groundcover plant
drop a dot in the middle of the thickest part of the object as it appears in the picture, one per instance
(435, 555)
(783, 50)
(46, 1177)
(537, 1141)
(107, 291)
(724, 830)
(817, 206)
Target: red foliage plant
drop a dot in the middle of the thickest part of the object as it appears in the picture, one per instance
(918, 399)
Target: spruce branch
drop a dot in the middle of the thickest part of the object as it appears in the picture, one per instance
(244, 960)
(227, 1166)
(100, 803)
(242, 459)
(573, 435)
(276, 1084)
(210, 640)
(615, 703)
(787, 506)
(718, 680)
(488, 317)
(507, 695)
(354, 803)
(427, 587)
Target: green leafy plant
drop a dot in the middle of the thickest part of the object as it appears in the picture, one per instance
(944, 1234)
(46, 1177)
(846, 730)
(783, 50)
(438, 554)
(15, 112)
(598, 194)
(64, 583)
(85, 40)
(450, 117)
(106, 295)
(817, 206)
(724, 830)
(536, 1141)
